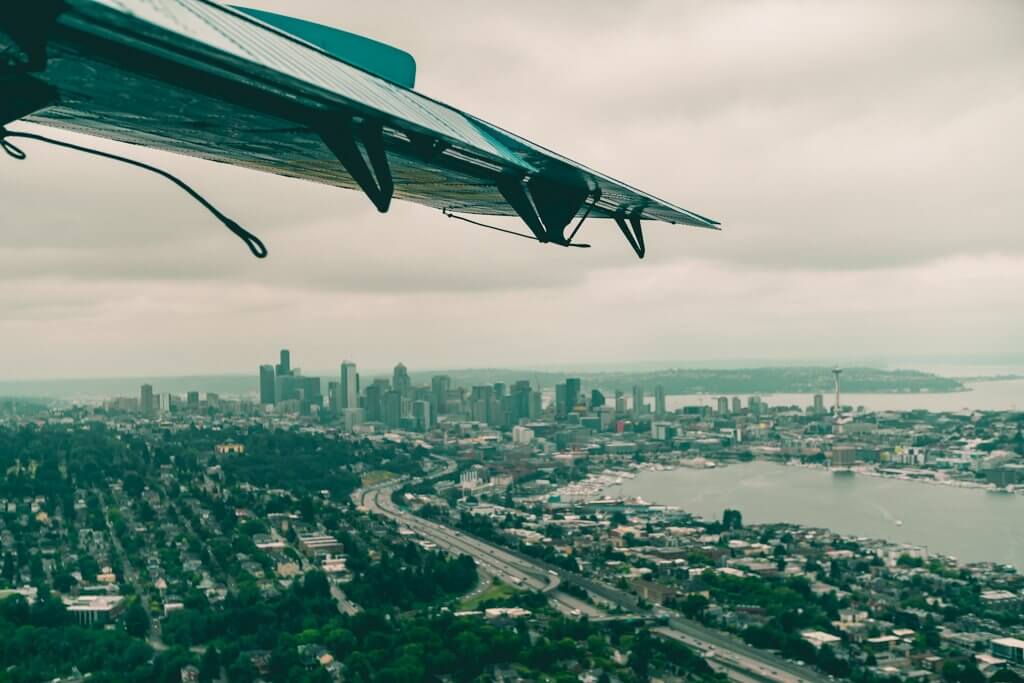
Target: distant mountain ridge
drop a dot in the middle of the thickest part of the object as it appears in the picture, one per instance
(766, 380)
(771, 380)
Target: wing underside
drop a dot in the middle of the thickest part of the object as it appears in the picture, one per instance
(195, 77)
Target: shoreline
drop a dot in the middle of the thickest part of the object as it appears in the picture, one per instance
(595, 486)
(600, 484)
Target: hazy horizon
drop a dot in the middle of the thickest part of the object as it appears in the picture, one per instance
(968, 366)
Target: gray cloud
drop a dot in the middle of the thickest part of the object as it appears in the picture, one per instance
(851, 149)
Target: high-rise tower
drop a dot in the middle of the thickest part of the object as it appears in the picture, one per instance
(349, 386)
(146, 404)
(285, 366)
(400, 381)
(267, 385)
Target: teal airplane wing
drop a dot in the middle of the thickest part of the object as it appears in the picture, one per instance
(292, 98)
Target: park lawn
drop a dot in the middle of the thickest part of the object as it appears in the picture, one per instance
(377, 476)
(496, 591)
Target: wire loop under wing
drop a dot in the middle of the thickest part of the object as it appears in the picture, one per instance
(256, 246)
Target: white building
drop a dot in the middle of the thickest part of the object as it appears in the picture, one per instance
(94, 609)
(820, 638)
(1010, 649)
(521, 435)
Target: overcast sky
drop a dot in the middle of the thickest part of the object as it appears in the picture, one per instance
(864, 159)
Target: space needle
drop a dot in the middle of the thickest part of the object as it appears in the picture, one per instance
(836, 372)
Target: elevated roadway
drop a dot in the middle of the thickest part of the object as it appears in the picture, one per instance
(727, 653)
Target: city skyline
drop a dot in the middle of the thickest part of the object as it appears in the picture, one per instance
(865, 210)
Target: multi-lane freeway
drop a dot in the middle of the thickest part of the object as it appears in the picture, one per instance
(727, 653)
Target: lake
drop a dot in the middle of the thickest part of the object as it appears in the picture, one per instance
(970, 524)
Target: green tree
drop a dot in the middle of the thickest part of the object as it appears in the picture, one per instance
(136, 620)
(209, 665)
(1006, 675)
(732, 519)
(640, 655)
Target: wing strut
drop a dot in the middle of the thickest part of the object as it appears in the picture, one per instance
(23, 95)
(634, 233)
(30, 33)
(374, 178)
(546, 206)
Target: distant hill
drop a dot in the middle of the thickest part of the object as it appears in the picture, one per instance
(770, 380)
(105, 387)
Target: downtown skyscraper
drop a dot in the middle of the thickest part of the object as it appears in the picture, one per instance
(349, 386)
(146, 400)
(268, 385)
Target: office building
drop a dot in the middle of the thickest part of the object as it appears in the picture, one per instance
(659, 401)
(88, 610)
(146, 402)
(819, 404)
(723, 406)
(421, 414)
(310, 391)
(349, 386)
(518, 404)
(287, 388)
(521, 435)
(334, 397)
(400, 381)
(639, 407)
(192, 400)
(316, 544)
(561, 401)
(439, 388)
(620, 403)
(663, 431)
(737, 405)
(268, 385)
(572, 393)
(391, 409)
(755, 405)
(483, 406)
(373, 401)
(1010, 649)
(284, 367)
(352, 418)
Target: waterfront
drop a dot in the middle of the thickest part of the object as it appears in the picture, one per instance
(972, 525)
(983, 395)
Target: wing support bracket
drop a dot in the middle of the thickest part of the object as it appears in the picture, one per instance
(546, 206)
(22, 96)
(634, 232)
(595, 197)
(29, 30)
(371, 170)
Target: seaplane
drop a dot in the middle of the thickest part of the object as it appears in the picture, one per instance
(290, 97)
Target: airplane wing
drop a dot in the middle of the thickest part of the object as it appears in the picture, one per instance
(266, 92)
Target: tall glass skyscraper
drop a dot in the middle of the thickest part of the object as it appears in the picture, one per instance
(400, 381)
(267, 384)
(349, 386)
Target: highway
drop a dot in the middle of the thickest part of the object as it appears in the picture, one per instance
(740, 661)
